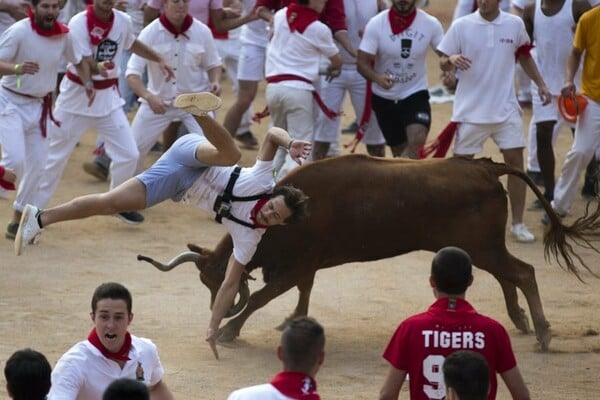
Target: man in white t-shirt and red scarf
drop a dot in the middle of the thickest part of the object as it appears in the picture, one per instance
(110, 352)
(302, 352)
(100, 34)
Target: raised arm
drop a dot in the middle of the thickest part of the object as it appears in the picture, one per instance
(277, 137)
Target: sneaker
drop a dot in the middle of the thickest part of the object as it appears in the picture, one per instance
(130, 217)
(96, 170)
(536, 177)
(350, 129)
(521, 233)
(11, 230)
(29, 228)
(589, 190)
(247, 140)
(203, 102)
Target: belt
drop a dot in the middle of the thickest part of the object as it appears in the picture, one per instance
(98, 84)
(46, 108)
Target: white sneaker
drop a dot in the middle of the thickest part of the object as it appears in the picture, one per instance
(202, 102)
(29, 229)
(521, 233)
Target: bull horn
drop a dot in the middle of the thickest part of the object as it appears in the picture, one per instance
(239, 306)
(180, 259)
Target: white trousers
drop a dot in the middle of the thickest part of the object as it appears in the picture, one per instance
(148, 126)
(24, 149)
(293, 110)
(332, 93)
(118, 140)
(587, 140)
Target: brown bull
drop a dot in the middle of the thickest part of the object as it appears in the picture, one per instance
(365, 209)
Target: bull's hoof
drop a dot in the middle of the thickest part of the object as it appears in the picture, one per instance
(226, 335)
(544, 336)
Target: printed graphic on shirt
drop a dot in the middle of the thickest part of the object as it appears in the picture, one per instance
(139, 372)
(106, 50)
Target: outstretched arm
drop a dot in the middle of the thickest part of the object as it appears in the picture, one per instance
(277, 137)
(224, 300)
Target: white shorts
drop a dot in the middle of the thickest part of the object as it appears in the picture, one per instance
(549, 112)
(251, 64)
(507, 135)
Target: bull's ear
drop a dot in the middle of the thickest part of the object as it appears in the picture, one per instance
(197, 249)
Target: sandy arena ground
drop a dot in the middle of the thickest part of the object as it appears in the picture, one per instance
(45, 295)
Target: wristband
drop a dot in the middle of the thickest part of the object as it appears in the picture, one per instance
(289, 146)
(17, 66)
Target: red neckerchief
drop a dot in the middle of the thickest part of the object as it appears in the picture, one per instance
(259, 204)
(57, 29)
(121, 355)
(300, 17)
(296, 385)
(3, 182)
(98, 30)
(187, 22)
(400, 23)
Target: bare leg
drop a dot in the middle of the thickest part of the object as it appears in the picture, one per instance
(246, 94)
(130, 195)
(416, 134)
(516, 187)
(225, 151)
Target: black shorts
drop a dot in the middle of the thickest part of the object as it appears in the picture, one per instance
(394, 116)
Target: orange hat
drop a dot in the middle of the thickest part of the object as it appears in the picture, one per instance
(571, 107)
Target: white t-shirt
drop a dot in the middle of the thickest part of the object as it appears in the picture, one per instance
(83, 373)
(358, 13)
(401, 56)
(464, 7)
(72, 97)
(265, 391)
(298, 53)
(19, 43)
(485, 93)
(191, 58)
(255, 180)
(256, 32)
(553, 39)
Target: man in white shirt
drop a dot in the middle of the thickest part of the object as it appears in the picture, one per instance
(302, 351)
(110, 352)
(199, 170)
(188, 44)
(101, 33)
(392, 56)
(31, 51)
(483, 46)
(290, 93)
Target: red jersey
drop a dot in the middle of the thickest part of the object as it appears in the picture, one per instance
(422, 342)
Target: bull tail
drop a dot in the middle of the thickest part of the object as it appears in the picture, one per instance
(188, 256)
(559, 239)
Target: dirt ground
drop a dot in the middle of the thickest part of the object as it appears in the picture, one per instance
(45, 294)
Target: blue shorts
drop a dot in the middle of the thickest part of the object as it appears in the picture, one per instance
(174, 172)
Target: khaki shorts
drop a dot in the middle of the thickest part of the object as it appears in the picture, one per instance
(507, 135)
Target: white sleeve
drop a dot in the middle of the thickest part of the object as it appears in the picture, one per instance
(369, 41)
(9, 44)
(67, 379)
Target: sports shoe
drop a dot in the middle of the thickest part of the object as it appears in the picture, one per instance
(203, 102)
(247, 140)
(11, 230)
(96, 170)
(521, 233)
(130, 217)
(29, 228)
